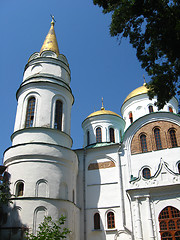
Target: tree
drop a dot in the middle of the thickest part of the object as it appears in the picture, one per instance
(153, 28)
(5, 194)
(50, 230)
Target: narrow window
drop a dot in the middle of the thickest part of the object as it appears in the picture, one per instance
(170, 109)
(146, 173)
(98, 135)
(110, 220)
(131, 117)
(73, 196)
(151, 109)
(30, 112)
(111, 133)
(96, 221)
(20, 189)
(143, 143)
(58, 115)
(88, 138)
(157, 138)
(169, 219)
(172, 134)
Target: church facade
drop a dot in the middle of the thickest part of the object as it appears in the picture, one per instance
(122, 184)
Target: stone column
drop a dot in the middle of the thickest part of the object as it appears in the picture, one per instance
(138, 223)
(149, 218)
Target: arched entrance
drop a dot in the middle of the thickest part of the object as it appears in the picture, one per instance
(169, 223)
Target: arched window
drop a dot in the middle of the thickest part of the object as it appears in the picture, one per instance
(146, 173)
(88, 138)
(96, 221)
(151, 109)
(170, 109)
(111, 134)
(172, 134)
(131, 117)
(19, 189)
(30, 112)
(58, 115)
(157, 138)
(169, 222)
(110, 220)
(143, 143)
(98, 135)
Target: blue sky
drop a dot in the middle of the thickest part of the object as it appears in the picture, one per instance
(100, 67)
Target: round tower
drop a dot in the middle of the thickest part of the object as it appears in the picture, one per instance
(41, 165)
(102, 127)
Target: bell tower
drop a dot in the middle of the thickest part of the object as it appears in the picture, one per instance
(42, 167)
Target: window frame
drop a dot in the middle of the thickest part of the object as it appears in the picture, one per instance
(88, 137)
(111, 135)
(143, 142)
(19, 192)
(110, 220)
(99, 135)
(157, 137)
(58, 112)
(151, 109)
(131, 117)
(170, 109)
(30, 112)
(146, 173)
(173, 138)
(170, 217)
(97, 222)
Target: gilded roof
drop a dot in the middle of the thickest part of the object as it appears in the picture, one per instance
(50, 42)
(138, 91)
(101, 112)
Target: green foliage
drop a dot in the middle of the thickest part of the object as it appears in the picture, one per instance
(153, 28)
(50, 230)
(5, 194)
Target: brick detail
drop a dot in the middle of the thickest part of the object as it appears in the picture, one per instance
(94, 166)
(148, 130)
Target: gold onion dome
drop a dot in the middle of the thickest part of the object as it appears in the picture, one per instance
(138, 91)
(50, 43)
(101, 112)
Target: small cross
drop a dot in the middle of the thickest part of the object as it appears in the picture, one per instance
(53, 20)
(102, 108)
(144, 78)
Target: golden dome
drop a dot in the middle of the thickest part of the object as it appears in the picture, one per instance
(138, 91)
(50, 43)
(101, 112)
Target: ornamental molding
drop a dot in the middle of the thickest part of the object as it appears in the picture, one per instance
(164, 176)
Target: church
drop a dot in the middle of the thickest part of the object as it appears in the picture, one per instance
(122, 184)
